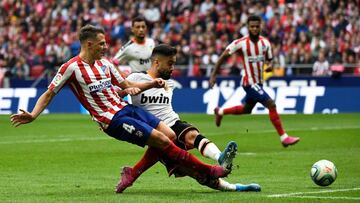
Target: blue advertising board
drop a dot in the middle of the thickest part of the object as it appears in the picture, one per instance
(303, 99)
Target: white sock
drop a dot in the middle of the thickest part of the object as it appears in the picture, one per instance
(221, 112)
(283, 137)
(226, 186)
(210, 151)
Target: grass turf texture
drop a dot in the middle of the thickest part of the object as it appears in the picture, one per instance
(65, 158)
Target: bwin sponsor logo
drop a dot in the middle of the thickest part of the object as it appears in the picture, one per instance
(154, 99)
(144, 61)
(98, 86)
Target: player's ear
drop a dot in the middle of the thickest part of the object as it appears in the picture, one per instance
(88, 43)
(156, 61)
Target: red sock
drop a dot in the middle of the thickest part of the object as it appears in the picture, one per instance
(150, 158)
(275, 120)
(185, 158)
(234, 110)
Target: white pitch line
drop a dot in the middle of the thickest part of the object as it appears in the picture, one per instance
(222, 133)
(320, 197)
(247, 153)
(54, 140)
(315, 192)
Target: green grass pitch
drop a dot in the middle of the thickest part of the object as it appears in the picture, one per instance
(65, 158)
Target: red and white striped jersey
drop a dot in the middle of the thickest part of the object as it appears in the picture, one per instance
(93, 86)
(253, 57)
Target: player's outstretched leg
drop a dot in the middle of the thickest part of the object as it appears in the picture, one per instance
(288, 140)
(126, 179)
(253, 187)
(284, 138)
(218, 117)
(227, 156)
(183, 157)
(223, 185)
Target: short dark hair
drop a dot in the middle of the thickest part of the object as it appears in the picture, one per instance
(163, 50)
(253, 18)
(89, 32)
(138, 19)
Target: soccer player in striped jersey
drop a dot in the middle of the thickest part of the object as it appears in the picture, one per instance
(92, 79)
(255, 51)
(137, 51)
(159, 102)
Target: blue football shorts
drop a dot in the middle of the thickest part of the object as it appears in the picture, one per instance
(255, 93)
(132, 124)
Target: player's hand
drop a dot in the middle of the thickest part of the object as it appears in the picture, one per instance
(21, 118)
(132, 91)
(115, 61)
(269, 69)
(159, 83)
(212, 81)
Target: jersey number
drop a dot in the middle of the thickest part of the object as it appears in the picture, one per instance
(129, 128)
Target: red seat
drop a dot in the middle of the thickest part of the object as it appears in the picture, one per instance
(36, 71)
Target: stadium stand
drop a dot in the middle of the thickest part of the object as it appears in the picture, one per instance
(43, 32)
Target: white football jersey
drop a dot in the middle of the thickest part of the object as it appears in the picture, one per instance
(157, 101)
(137, 55)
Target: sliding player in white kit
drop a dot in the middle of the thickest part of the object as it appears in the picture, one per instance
(158, 102)
(137, 51)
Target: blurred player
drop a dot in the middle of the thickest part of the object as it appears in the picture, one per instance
(137, 51)
(159, 102)
(91, 78)
(255, 50)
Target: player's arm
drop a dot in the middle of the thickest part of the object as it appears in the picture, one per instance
(56, 84)
(268, 58)
(269, 65)
(137, 87)
(26, 117)
(221, 60)
(122, 56)
(131, 87)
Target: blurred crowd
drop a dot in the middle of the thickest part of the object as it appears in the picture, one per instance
(36, 36)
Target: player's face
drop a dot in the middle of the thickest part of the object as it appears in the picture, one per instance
(165, 66)
(98, 46)
(139, 29)
(254, 28)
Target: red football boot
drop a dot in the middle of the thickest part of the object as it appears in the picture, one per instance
(290, 141)
(126, 179)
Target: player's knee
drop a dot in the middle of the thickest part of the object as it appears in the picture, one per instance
(166, 130)
(189, 138)
(159, 139)
(270, 104)
(247, 110)
(171, 135)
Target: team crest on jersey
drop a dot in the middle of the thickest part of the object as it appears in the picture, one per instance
(263, 47)
(103, 68)
(100, 85)
(57, 79)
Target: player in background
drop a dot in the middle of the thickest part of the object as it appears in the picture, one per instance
(255, 51)
(159, 102)
(91, 78)
(137, 51)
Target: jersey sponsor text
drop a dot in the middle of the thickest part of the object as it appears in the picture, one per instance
(100, 85)
(154, 99)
